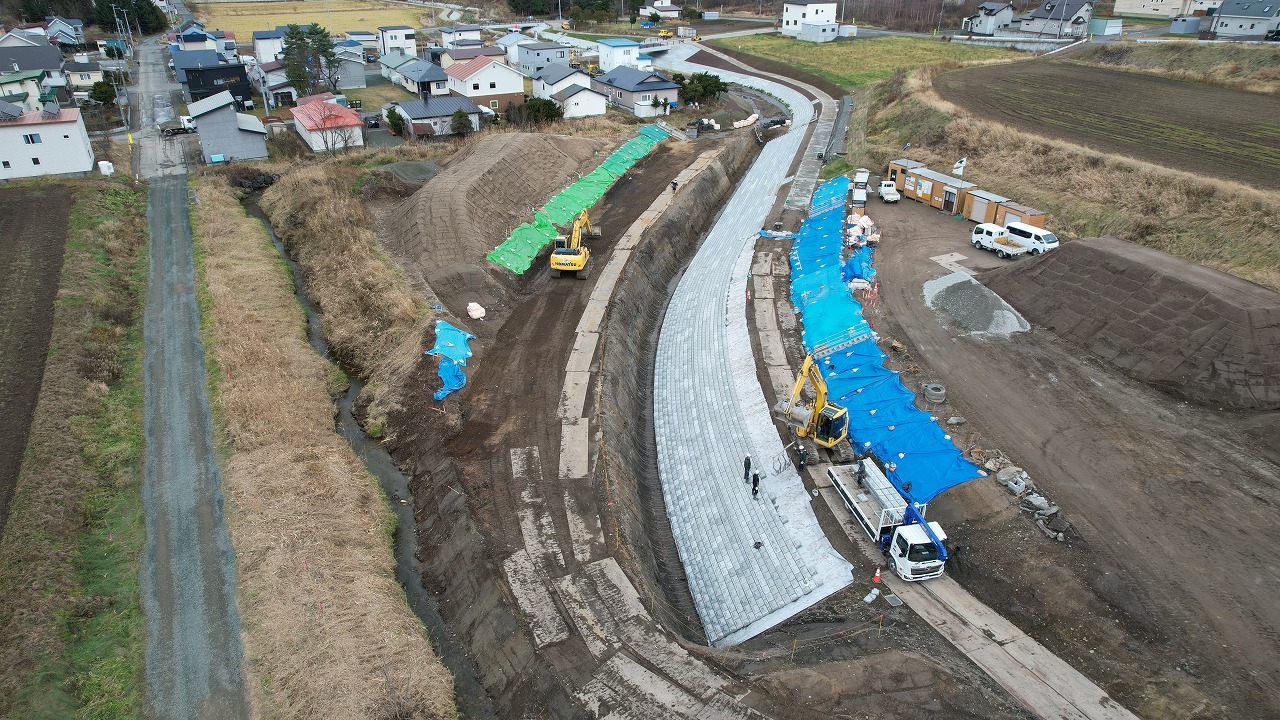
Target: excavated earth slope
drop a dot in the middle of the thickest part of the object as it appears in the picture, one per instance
(448, 225)
(1198, 333)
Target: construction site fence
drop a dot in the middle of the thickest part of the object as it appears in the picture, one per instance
(517, 252)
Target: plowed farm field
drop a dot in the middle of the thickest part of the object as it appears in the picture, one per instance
(1196, 128)
(30, 261)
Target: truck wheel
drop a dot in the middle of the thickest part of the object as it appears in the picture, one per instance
(1035, 251)
(977, 244)
(1002, 254)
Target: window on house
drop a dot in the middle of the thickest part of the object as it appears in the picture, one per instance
(646, 97)
(66, 137)
(32, 139)
(493, 86)
(35, 161)
(84, 76)
(5, 164)
(803, 14)
(219, 81)
(493, 104)
(475, 86)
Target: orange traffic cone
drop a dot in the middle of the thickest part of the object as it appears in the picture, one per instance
(877, 577)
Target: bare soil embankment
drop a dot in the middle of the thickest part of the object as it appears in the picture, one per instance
(1197, 333)
(327, 631)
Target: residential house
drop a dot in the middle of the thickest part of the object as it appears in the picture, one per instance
(64, 30)
(1166, 8)
(577, 101)
(225, 134)
(367, 40)
(644, 93)
(796, 13)
(270, 82)
(557, 77)
(991, 16)
(509, 42)
(183, 60)
(533, 57)
(1247, 19)
(51, 140)
(389, 62)
(23, 38)
(227, 77)
(618, 52)
(666, 11)
(82, 75)
(451, 35)
(222, 42)
(423, 78)
(187, 25)
(487, 83)
(434, 115)
(43, 57)
(24, 88)
(1059, 18)
(268, 45)
(350, 64)
(327, 126)
(459, 55)
(397, 37)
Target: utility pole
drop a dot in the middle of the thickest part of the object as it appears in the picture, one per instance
(942, 4)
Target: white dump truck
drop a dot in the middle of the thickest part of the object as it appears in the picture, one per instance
(987, 236)
(182, 125)
(889, 192)
(913, 546)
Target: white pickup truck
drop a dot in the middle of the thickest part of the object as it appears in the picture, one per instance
(889, 192)
(987, 236)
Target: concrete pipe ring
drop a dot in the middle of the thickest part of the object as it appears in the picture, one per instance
(935, 393)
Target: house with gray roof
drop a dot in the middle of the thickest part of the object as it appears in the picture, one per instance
(225, 134)
(576, 101)
(65, 30)
(557, 77)
(989, 17)
(644, 92)
(388, 63)
(451, 56)
(23, 38)
(509, 42)
(423, 78)
(1247, 19)
(533, 57)
(450, 36)
(41, 57)
(1059, 18)
(433, 115)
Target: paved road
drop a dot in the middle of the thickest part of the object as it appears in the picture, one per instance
(193, 662)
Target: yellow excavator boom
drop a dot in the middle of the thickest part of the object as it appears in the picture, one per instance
(570, 254)
(826, 423)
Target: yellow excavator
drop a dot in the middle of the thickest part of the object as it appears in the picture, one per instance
(570, 255)
(827, 424)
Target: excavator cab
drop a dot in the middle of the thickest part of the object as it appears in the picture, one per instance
(826, 423)
(570, 255)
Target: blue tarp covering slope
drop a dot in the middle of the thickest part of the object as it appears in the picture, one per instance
(451, 345)
(921, 459)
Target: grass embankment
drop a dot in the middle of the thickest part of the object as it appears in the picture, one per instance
(1255, 68)
(338, 16)
(851, 64)
(1217, 223)
(327, 630)
(71, 619)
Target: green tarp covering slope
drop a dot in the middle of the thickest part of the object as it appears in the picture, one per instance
(517, 252)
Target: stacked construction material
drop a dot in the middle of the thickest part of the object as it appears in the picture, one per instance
(517, 252)
(919, 457)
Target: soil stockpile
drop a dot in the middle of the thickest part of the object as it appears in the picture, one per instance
(447, 226)
(1198, 333)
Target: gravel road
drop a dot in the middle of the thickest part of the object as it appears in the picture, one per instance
(193, 654)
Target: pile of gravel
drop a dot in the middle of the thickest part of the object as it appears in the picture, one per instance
(972, 307)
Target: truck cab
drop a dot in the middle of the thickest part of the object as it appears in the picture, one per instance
(889, 191)
(887, 520)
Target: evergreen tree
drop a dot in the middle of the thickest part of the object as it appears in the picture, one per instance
(460, 124)
(530, 7)
(311, 60)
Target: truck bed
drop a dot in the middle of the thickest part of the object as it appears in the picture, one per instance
(876, 504)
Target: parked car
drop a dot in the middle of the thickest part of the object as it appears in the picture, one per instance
(1034, 239)
(374, 122)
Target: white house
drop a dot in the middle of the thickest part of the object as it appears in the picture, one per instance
(510, 42)
(666, 11)
(327, 126)
(23, 38)
(556, 78)
(268, 45)
(1059, 18)
(618, 52)
(450, 36)
(799, 12)
(1247, 19)
(818, 31)
(577, 101)
(991, 16)
(487, 83)
(533, 57)
(269, 79)
(48, 141)
(397, 37)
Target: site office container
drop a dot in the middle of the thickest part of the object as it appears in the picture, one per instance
(898, 171)
(941, 191)
(980, 206)
(1010, 212)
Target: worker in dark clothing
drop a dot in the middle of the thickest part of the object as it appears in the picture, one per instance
(755, 484)
(746, 469)
(674, 185)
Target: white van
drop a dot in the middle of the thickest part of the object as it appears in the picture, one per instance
(1034, 239)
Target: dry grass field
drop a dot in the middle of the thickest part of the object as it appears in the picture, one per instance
(327, 630)
(338, 16)
(1255, 68)
(864, 61)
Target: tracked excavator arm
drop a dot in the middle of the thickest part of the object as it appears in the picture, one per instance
(826, 423)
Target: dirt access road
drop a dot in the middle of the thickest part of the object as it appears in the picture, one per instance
(1164, 592)
(31, 248)
(1168, 122)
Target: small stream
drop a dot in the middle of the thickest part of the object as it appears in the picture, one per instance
(472, 700)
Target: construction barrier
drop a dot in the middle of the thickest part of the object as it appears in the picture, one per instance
(517, 252)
